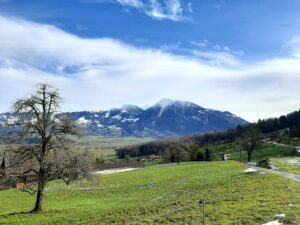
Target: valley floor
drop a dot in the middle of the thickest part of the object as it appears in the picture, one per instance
(163, 195)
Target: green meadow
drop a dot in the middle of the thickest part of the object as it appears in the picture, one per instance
(166, 194)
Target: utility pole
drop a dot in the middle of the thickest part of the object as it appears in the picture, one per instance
(202, 203)
(240, 155)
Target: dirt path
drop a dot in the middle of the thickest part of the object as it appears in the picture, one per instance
(283, 174)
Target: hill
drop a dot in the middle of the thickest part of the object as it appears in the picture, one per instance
(162, 195)
(286, 125)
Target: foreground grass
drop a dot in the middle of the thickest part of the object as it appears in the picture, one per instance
(232, 198)
(287, 164)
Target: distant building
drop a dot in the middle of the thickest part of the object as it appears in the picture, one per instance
(13, 173)
(154, 157)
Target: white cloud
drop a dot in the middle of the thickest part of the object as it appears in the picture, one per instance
(221, 58)
(132, 3)
(101, 73)
(294, 45)
(201, 43)
(189, 7)
(159, 9)
(81, 27)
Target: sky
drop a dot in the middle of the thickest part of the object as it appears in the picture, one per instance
(231, 55)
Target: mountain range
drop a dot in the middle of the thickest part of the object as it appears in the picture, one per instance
(166, 118)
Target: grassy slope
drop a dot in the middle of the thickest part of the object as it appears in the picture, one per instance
(283, 164)
(233, 198)
(266, 151)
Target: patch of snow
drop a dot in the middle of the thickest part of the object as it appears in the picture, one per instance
(165, 102)
(275, 222)
(227, 157)
(126, 108)
(33, 120)
(83, 121)
(114, 171)
(11, 120)
(280, 215)
(250, 170)
(196, 118)
(107, 114)
(114, 127)
(100, 125)
(293, 162)
(274, 167)
(130, 120)
(252, 163)
(118, 117)
(230, 115)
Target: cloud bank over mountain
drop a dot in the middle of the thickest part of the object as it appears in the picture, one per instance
(103, 72)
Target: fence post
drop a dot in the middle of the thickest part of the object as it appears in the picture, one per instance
(202, 203)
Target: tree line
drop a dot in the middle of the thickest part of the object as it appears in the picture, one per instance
(248, 137)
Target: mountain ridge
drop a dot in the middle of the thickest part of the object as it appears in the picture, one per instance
(166, 118)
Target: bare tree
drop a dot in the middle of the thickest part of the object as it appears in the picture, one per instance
(40, 139)
(250, 140)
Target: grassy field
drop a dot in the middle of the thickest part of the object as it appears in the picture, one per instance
(100, 147)
(103, 147)
(289, 141)
(108, 142)
(287, 164)
(266, 151)
(148, 196)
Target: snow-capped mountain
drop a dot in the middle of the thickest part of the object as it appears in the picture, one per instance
(166, 118)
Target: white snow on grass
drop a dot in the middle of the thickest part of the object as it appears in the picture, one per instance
(227, 157)
(273, 167)
(250, 170)
(114, 171)
(280, 215)
(275, 222)
(293, 162)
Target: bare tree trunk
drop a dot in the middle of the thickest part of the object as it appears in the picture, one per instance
(39, 198)
(40, 192)
(249, 153)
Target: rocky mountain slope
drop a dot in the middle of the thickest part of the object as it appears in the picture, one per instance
(166, 118)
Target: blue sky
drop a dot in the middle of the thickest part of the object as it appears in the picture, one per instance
(257, 28)
(216, 53)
